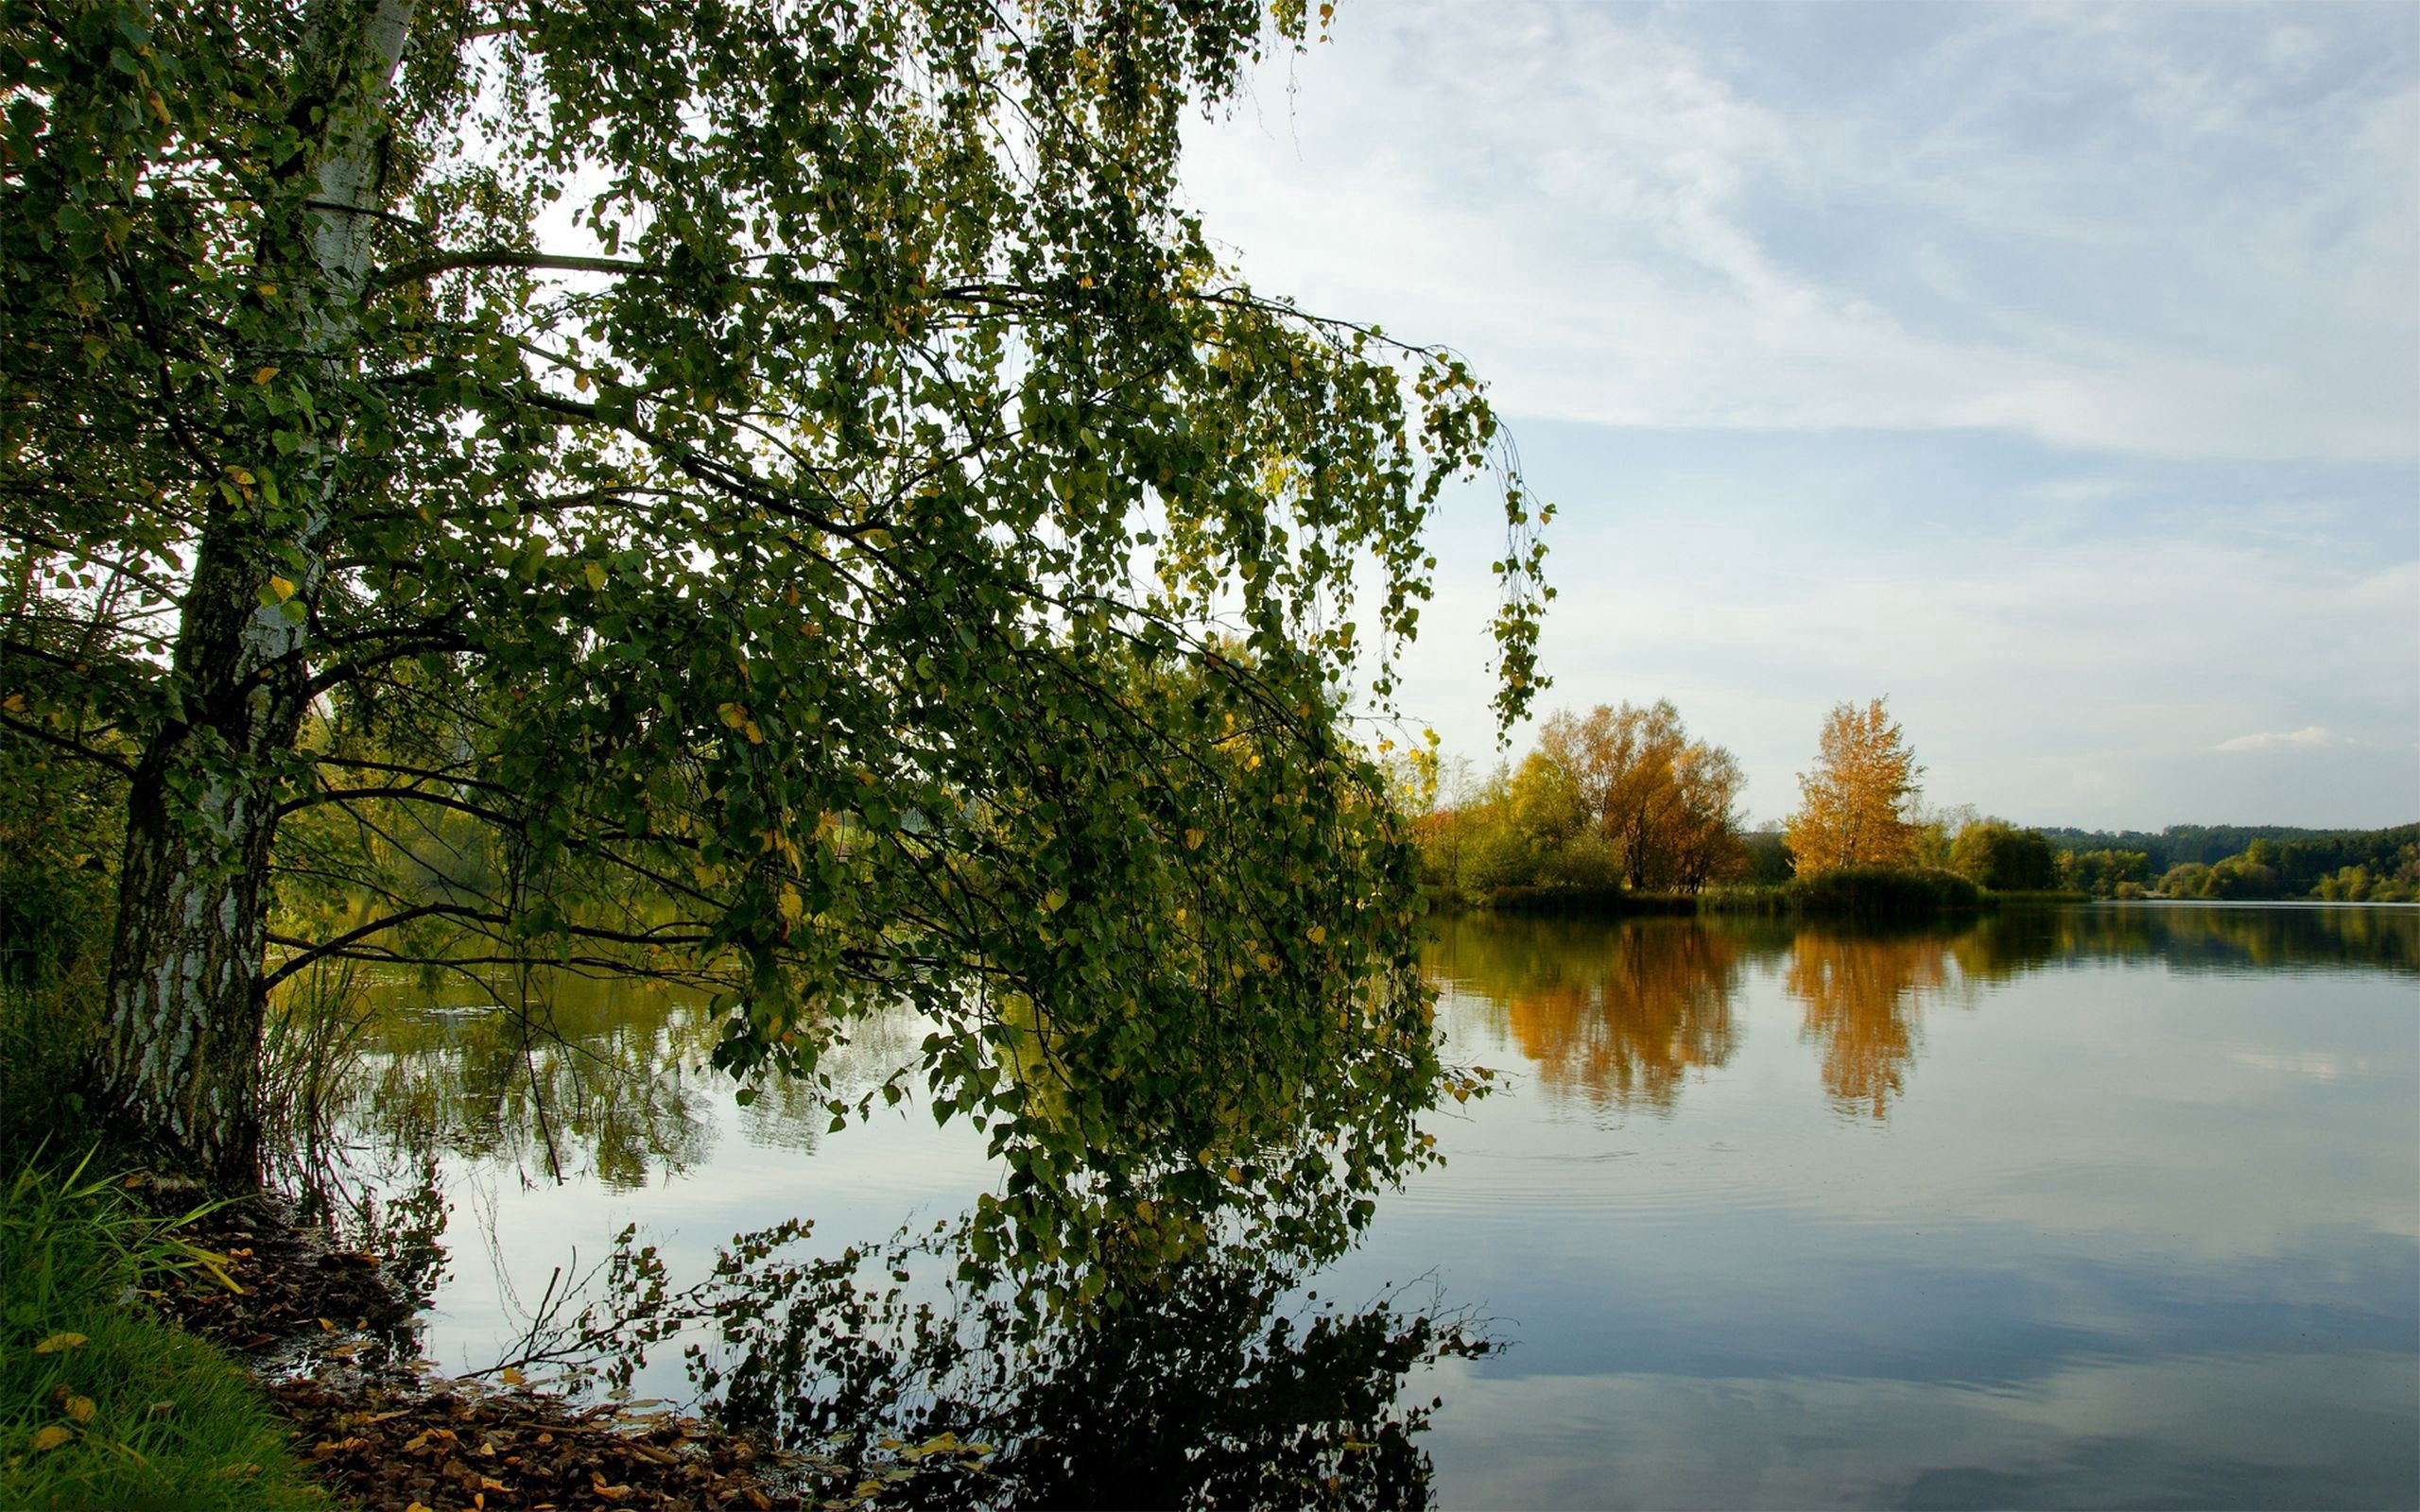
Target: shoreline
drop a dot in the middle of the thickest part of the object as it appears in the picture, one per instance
(329, 1339)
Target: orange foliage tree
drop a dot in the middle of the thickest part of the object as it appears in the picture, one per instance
(1663, 801)
(1857, 807)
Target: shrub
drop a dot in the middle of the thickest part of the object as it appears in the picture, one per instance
(1886, 892)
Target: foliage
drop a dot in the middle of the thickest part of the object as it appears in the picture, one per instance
(102, 1403)
(1663, 802)
(1770, 862)
(2302, 858)
(1854, 807)
(2106, 873)
(61, 821)
(2289, 868)
(1885, 892)
(1999, 856)
(2357, 883)
(781, 499)
(1622, 800)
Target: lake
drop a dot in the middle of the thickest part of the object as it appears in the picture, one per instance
(2089, 1206)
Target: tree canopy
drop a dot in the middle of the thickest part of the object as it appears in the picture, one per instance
(1665, 802)
(776, 496)
(1855, 808)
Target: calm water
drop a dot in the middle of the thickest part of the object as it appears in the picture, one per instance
(2112, 1206)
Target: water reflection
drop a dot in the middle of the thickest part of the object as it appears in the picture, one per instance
(1206, 1382)
(1618, 1014)
(1614, 1017)
(2224, 937)
(555, 1076)
(1862, 998)
(1168, 1355)
(1119, 1327)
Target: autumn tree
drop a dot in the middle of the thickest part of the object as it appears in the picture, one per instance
(782, 496)
(1857, 807)
(1665, 802)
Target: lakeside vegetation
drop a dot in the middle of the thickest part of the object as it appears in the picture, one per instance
(2256, 862)
(103, 1401)
(1623, 812)
(898, 564)
(869, 550)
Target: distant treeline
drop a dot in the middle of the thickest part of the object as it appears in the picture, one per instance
(2208, 844)
(2264, 860)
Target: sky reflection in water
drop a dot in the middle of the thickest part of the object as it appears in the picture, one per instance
(2073, 1207)
(2084, 1207)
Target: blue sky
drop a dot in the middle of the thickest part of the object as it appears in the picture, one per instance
(2054, 372)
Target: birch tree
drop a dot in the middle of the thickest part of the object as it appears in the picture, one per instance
(777, 494)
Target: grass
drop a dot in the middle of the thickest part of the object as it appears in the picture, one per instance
(104, 1405)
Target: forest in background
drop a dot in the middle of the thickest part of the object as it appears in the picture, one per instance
(2242, 861)
(1625, 804)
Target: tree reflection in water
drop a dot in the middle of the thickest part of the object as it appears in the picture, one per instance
(1619, 1012)
(1147, 1340)
(1202, 1383)
(1199, 1376)
(1614, 1014)
(1862, 996)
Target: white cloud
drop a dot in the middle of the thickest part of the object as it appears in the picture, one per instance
(2099, 231)
(2310, 738)
(2054, 370)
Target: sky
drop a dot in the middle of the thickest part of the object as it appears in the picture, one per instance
(2052, 371)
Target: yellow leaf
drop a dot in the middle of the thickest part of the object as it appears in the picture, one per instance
(596, 577)
(1193, 839)
(58, 1343)
(756, 736)
(420, 1506)
(1318, 933)
(510, 1375)
(264, 376)
(793, 908)
(80, 1408)
(46, 1439)
(281, 587)
(1054, 901)
(579, 380)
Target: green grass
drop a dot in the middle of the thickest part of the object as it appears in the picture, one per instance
(102, 1403)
